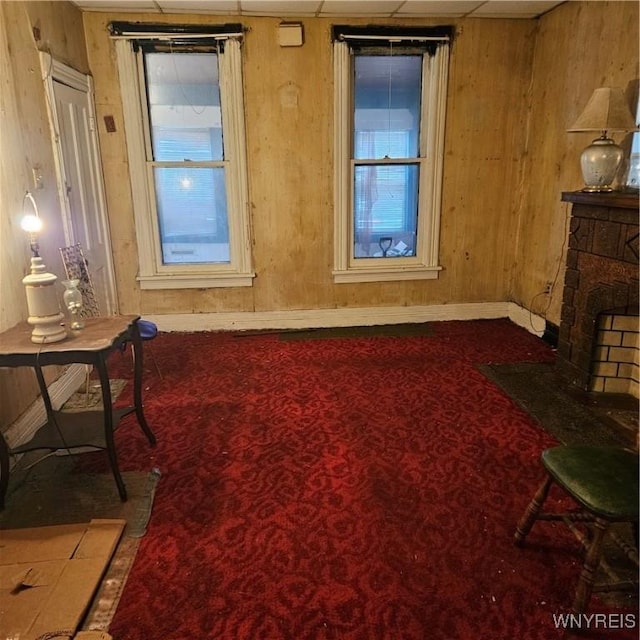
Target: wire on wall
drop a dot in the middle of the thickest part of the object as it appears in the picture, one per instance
(554, 282)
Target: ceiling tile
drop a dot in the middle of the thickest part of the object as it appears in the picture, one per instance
(332, 8)
(280, 7)
(227, 7)
(138, 6)
(437, 7)
(514, 8)
(359, 7)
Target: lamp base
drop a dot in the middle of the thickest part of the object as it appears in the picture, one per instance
(597, 189)
(42, 303)
(47, 329)
(600, 162)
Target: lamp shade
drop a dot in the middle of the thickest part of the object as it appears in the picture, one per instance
(607, 110)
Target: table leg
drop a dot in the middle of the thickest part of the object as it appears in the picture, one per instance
(108, 425)
(4, 470)
(5, 467)
(137, 382)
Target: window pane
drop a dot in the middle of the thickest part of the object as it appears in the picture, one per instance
(192, 214)
(387, 106)
(385, 210)
(184, 106)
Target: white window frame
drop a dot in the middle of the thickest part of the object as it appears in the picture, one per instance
(424, 265)
(152, 273)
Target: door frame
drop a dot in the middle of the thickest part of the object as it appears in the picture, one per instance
(54, 70)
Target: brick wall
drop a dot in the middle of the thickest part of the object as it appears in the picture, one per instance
(616, 360)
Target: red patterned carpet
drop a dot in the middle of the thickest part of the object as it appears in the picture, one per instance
(359, 488)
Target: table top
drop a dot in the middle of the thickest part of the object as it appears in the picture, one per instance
(98, 334)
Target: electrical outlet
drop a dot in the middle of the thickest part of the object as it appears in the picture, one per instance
(547, 287)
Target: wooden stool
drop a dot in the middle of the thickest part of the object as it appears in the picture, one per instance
(604, 483)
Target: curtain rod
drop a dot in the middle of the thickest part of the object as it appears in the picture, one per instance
(175, 36)
(156, 31)
(345, 36)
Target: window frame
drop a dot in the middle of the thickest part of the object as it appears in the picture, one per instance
(424, 264)
(152, 272)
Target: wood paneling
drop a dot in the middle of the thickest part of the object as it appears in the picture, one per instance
(289, 111)
(26, 28)
(580, 46)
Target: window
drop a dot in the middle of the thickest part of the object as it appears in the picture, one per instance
(389, 122)
(184, 121)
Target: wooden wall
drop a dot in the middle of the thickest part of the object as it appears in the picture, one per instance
(25, 143)
(580, 46)
(290, 159)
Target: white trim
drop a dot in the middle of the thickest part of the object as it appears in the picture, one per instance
(25, 427)
(526, 319)
(152, 273)
(378, 274)
(54, 70)
(352, 317)
(342, 168)
(232, 104)
(195, 281)
(439, 76)
(98, 178)
(133, 120)
(424, 265)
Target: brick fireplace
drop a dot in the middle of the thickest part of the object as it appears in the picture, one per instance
(601, 293)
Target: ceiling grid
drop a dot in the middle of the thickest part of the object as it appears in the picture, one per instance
(332, 8)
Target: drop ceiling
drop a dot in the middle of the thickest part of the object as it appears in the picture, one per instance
(332, 8)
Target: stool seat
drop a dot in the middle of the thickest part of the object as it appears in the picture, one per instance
(603, 483)
(602, 480)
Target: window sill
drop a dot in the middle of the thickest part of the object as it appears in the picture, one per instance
(386, 275)
(196, 281)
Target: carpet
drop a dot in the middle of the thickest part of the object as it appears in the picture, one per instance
(353, 489)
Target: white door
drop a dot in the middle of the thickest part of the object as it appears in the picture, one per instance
(80, 181)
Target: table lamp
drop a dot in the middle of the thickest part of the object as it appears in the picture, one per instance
(42, 301)
(607, 110)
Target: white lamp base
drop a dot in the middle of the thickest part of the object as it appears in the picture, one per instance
(600, 162)
(44, 312)
(47, 329)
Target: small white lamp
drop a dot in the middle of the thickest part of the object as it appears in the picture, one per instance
(42, 302)
(607, 110)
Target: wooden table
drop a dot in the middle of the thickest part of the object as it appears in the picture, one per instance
(91, 345)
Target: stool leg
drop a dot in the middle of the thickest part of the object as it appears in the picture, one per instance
(591, 563)
(530, 515)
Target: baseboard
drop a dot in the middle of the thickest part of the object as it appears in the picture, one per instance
(526, 319)
(350, 317)
(24, 428)
(324, 318)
